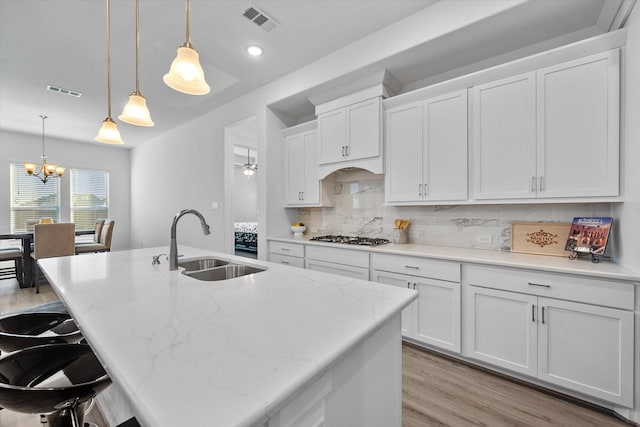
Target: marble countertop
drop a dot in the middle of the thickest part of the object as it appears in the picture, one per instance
(584, 267)
(228, 353)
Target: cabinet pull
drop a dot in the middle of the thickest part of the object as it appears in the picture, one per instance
(412, 267)
(533, 184)
(541, 186)
(348, 150)
(539, 285)
(543, 314)
(408, 285)
(284, 262)
(284, 249)
(302, 195)
(426, 189)
(533, 313)
(419, 189)
(414, 286)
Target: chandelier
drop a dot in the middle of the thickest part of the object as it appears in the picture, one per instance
(47, 169)
(248, 168)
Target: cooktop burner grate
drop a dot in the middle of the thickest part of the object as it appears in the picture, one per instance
(351, 240)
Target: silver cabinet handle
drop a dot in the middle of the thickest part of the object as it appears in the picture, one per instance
(533, 184)
(408, 285)
(539, 285)
(426, 189)
(302, 195)
(284, 249)
(541, 186)
(533, 313)
(543, 315)
(284, 262)
(348, 150)
(419, 189)
(412, 267)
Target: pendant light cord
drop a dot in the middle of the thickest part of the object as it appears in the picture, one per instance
(109, 56)
(188, 25)
(137, 46)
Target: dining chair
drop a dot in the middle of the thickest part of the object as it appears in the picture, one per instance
(52, 240)
(97, 236)
(30, 223)
(104, 244)
(12, 254)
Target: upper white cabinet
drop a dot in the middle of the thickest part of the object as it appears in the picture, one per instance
(551, 133)
(426, 154)
(351, 132)
(303, 186)
(578, 127)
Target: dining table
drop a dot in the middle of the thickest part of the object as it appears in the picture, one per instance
(27, 262)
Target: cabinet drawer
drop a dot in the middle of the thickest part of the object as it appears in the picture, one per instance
(339, 256)
(422, 267)
(562, 286)
(287, 260)
(283, 248)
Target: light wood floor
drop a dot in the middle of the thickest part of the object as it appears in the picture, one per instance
(437, 391)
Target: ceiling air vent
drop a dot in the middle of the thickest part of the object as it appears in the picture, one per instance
(260, 18)
(63, 91)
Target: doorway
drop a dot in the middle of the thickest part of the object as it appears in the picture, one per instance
(241, 188)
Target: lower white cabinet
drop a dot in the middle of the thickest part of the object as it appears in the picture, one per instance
(286, 253)
(583, 347)
(434, 318)
(345, 262)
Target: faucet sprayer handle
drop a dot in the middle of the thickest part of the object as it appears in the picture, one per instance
(156, 259)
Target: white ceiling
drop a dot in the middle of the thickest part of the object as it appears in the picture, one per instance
(63, 43)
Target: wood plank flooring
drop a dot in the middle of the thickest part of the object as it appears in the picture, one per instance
(437, 391)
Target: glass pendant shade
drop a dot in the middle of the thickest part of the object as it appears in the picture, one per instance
(109, 133)
(30, 168)
(136, 111)
(248, 171)
(186, 74)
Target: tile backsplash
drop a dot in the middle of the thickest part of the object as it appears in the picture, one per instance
(358, 211)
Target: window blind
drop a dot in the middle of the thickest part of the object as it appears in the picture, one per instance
(31, 199)
(89, 197)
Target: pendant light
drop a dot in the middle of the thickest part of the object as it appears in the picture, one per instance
(109, 133)
(249, 169)
(47, 170)
(136, 111)
(186, 74)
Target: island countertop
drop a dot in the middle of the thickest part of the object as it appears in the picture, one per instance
(190, 352)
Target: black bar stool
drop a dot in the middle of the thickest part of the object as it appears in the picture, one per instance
(55, 379)
(28, 329)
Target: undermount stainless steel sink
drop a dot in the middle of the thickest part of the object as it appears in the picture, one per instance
(203, 263)
(224, 272)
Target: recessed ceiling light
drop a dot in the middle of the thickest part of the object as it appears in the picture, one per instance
(254, 50)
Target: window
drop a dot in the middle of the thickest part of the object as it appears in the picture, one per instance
(89, 197)
(31, 199)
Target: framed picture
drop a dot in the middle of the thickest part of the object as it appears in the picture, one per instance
(589, 235)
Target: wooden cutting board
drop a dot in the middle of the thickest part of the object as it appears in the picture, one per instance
(540, 238)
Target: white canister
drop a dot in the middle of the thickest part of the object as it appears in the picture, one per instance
(399, 236)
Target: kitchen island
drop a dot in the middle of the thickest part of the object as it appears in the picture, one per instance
(281, 347)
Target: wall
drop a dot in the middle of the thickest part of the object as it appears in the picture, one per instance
(18, 148)
(358, 210)
(245, 196)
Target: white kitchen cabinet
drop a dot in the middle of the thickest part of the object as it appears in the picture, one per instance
(286, 253)
(581, 346)
(550, 133)
(578, 126)
(504, 139)
(427, 150)
(303, 183)
(434, 318)
(351, 132)
(345, 262)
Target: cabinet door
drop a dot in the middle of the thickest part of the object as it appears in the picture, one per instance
(408, 321)
(578, 125)
(404, 153)
(502, 329)
(363, 129)
(438, 313)
(504, 139)
(445, 152)
(311, 189)
(587, 348)
(295, 169)
(332, 132)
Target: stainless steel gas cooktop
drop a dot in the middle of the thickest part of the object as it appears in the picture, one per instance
(351, 240)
